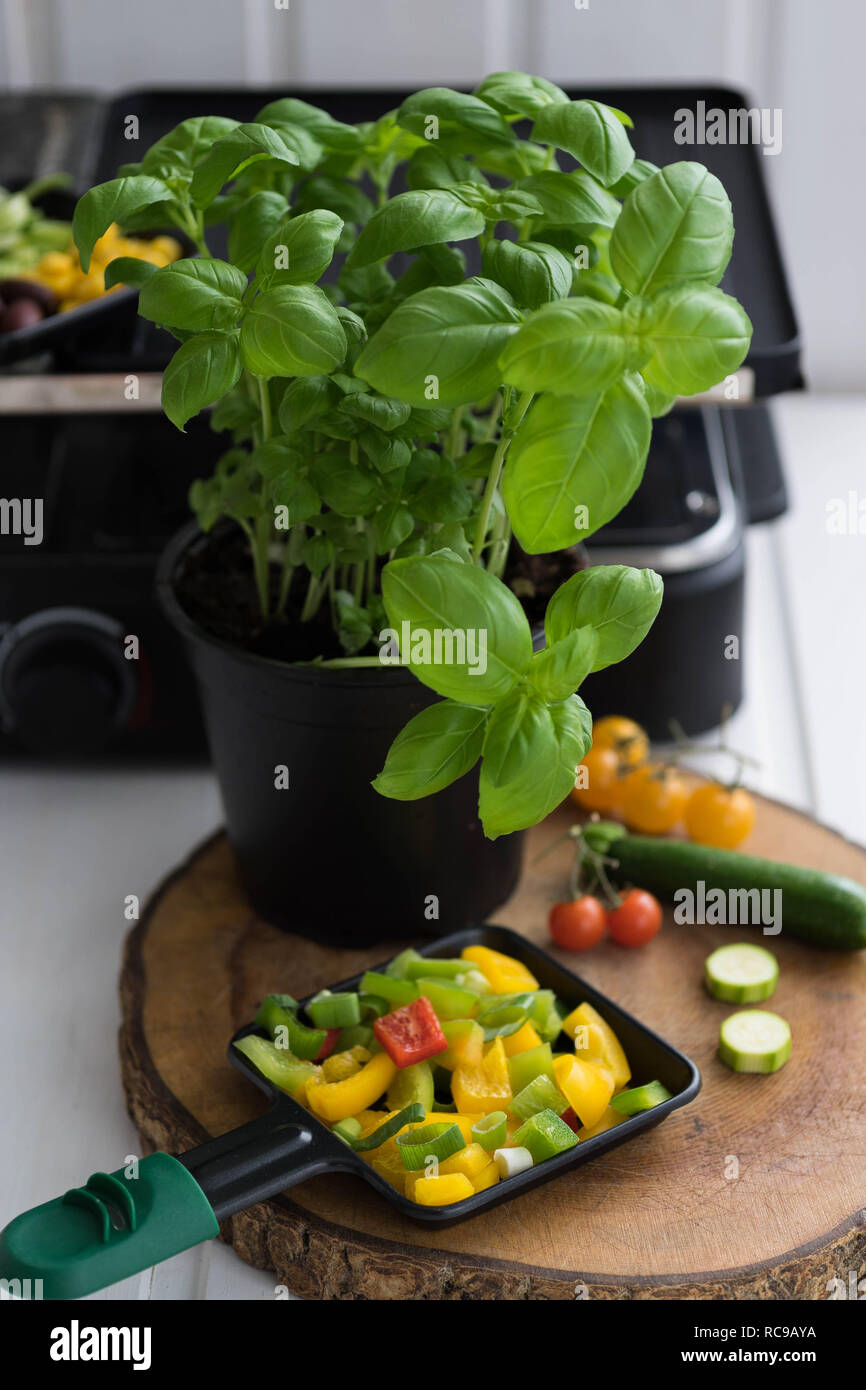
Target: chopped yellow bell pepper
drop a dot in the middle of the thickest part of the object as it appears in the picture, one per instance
(465, 1044)
(370, 1119)
(613, 1055)
(337, 1100)
(486, 1087)
(587, 1088)
(504, 974)
(521, 1041)
(609, 1120)
(390, 1167)
(488, 1177)
(342, 1064)
(441, 1192)
(469, 1161)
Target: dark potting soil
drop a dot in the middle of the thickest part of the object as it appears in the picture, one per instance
(216, 588)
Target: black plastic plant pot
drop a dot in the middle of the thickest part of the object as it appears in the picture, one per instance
(326, 856)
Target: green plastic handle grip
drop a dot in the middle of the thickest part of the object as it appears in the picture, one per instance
(110, 1228)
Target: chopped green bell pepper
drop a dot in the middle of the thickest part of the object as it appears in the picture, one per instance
(545, 1135)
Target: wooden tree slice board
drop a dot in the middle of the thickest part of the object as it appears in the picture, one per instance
(659, 1217)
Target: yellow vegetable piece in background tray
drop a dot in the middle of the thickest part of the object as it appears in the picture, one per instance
(614, 1056)
(441, 1192)
(521, 1041)
(504, 974)
(484, 1088)
(609, 1120)
(586, 1087)
(337, 1100)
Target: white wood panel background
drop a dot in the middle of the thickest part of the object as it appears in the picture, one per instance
(799, 56)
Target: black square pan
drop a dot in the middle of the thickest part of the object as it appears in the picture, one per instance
(310, 1149)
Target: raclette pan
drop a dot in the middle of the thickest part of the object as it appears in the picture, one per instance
(120, 1223)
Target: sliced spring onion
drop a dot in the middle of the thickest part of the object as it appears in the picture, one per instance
(396, 992)
(539, 1094)
(502, 1022)
(429, 1141)
(639, 1098)
(398, 968)
(409, 1115)
(372, 1006)
(741, 973)
(754, 1040)
(510, 1162)
(329, 1010)
(276, 1015)
(492, 1131)
(431, 968)
(444, 1107)
(347, 1130)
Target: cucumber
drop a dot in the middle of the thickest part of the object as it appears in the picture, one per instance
(824, 909)
(754, 1040)
(741, 973)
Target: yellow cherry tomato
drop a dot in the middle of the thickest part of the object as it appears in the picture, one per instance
(653, 799)
(719, 816)
(627, 739)
(598, 783)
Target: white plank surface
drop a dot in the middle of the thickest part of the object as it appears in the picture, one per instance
(73, 845)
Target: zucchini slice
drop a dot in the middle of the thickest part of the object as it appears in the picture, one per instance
(755, 1040)
(741, 973)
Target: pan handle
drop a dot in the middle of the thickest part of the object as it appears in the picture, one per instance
(120, 1223)
(261, 1158)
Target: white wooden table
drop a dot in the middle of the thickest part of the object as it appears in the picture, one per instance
(74, 845)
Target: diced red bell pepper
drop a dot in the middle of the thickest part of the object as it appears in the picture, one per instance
(331, 1036)
(570, 1119)
(411, 1034)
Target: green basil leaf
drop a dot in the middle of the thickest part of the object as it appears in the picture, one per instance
(353, 325)
(298, 496)
(419, 218)
(676, 225)
(571, 200)
(333, 134)
(518, 94)
(251, 224)
(697, 334)
(277, 458)
(346, 199)
(196, 295)
(201, 371)
(591, 132)
(292, 330)
(304, 400)
(439, 745)
(454, 111)
(573, 347)
(178, 151)
(619, 602)
(534, 756)
(574, 464)
(456, 610)
(658, 402)
(112, 202)
(308, 149)
(532, 272)
(301, 249)
(386, 452)
(635, 174)
(392, 524)
(442, 344)
(382, 411)
(431, 167)
(318, 553)
(228, 156)
(128, 270)
(346, 487)
(558, 670)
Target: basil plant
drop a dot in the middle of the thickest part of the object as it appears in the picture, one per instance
(395, 426)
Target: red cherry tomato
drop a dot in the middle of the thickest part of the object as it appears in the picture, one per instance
(577, 925)
(637, 919)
